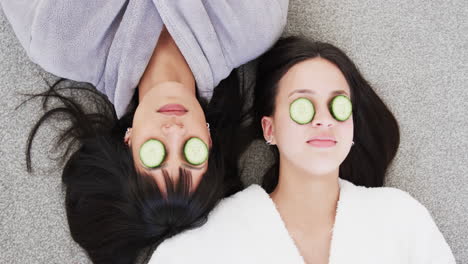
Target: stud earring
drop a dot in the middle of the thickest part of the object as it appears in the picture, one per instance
(352, 143)
(268, 142)
(126, 135)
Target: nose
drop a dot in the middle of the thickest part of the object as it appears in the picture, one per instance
(173, 127)
(323, 118)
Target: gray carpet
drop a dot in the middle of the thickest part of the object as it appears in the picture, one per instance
(414, 54)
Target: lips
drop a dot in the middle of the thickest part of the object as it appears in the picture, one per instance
(172, 109)
(322, 141)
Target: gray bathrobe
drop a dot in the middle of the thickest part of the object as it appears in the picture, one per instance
(109, 43)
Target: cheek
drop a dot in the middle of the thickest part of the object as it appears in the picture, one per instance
(290, 137)
(199, 129)
(345, 134)
(345, 130)
(291, 141)
(196, 126)
(145, 116)
(196, 179)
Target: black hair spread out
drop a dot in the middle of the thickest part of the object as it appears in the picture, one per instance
(376, 130)
(113, 211)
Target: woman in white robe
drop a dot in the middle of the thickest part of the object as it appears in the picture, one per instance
(323, 200)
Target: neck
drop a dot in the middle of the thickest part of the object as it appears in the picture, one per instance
(167, 64)
(304, 200)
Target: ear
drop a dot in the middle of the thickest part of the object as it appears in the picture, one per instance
(127, 139)
(268, 129)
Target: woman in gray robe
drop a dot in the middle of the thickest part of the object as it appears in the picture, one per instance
(168, 56)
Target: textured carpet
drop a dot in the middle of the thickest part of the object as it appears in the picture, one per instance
(414, 53)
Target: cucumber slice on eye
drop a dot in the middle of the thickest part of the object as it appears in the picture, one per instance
(195, 151)
(152, 153)
(341, 108)
(302, 111)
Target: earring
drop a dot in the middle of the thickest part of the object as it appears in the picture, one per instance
(126, 134)
(208, 126)
(352, 143)
(268, 142)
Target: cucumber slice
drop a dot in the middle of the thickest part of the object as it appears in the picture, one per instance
(302, 111)
(195, 151)
(341, 108)
(152, 153)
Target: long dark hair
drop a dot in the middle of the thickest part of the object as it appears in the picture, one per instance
(376, 132)
(113, 211)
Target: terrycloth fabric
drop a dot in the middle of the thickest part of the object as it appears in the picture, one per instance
(372, 225)
(109, 43)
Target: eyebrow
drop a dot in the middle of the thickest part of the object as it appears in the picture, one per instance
(163, 166)
(307, 91)
(188, 166)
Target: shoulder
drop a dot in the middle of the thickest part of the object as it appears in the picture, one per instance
(379, 196)
(217, 36)
(240, 208)
(241, 223)
(253, 25)
(388, 202)
(243, 209)
(226, 222)
(385, 211)
(87, 41)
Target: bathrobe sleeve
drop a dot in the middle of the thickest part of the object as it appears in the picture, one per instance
(105, 43)
(429, 245)
(385, 225)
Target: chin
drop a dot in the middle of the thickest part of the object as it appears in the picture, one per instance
(321, 168)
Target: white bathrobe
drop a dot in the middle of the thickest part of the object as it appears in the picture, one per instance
(372, 225)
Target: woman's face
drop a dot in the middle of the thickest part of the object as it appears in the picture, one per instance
(172, 127)
(319, 81)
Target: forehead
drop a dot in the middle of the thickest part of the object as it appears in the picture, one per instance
(174, 174)
(317, 74)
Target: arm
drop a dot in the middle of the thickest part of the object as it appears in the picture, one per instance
(428, 244)
(67, 38)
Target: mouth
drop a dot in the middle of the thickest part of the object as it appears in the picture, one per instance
(172, 109)
(322, 142)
